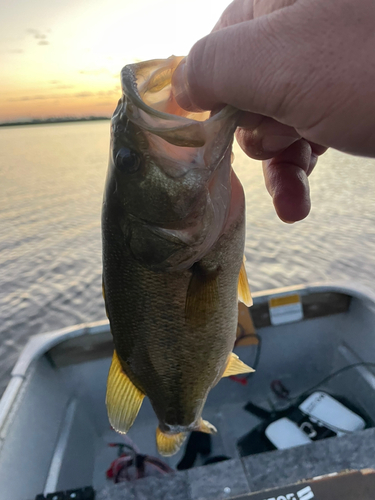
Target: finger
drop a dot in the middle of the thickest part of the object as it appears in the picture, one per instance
(265, 140)
(316, 151)
(286, 181)
(264, 7)
(182, 92)
(237, 12)
(250, 65)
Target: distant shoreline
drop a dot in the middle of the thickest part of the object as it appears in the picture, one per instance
(47, 121)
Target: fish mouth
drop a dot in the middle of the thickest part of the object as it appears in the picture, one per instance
(147, 90)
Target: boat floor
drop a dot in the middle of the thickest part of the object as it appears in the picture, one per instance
(232, 422)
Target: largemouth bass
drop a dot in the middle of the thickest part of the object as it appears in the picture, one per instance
(173, 241)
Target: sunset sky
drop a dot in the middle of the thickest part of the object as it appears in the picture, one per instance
(63, 57)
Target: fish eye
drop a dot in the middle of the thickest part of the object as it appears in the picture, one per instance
(127, 161)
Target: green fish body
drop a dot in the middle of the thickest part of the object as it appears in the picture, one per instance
(173, 229)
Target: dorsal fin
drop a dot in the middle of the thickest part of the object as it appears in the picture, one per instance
(123, 399)
(244, 294)
(235, 366)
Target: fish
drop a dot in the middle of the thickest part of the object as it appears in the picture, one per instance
(173, 232)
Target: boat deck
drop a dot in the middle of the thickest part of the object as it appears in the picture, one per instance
(239, 478)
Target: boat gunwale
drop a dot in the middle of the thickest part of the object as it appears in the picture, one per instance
(34, 349)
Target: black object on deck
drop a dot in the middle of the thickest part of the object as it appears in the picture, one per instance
(86, 493)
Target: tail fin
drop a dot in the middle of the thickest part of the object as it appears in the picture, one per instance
(169, 444)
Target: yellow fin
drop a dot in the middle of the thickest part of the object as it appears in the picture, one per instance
(123, 399)
(205, 426)
(202, 296)
(169, 444)
(244, 294)
(235, 366)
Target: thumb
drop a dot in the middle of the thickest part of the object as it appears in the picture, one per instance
(245, 65)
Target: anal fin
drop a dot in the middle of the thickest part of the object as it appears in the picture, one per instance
(123, 399)
(169, 444)
(235, 366)
(244, 294)
(205, 426)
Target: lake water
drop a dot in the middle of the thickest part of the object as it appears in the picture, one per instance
(52, 179)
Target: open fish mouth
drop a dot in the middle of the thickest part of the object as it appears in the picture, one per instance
(148, 102)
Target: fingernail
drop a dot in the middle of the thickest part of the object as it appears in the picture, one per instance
(180, 86)
(276, 143)
(287, 221)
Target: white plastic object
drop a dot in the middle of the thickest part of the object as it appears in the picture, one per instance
(284, 433)
(326, 410)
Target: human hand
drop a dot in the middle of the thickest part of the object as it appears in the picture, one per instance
(303, 72)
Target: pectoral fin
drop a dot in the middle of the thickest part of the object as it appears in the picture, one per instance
(235, 366)
(205, 426)
(169, 444)
(123, 399)
(202, 296)
(244, 294)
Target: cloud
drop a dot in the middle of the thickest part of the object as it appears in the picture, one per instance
(63, 87)
(39, 35)
(94, 71)
(107, 92)
(31, 98)
(82, 95)
(100, 93)
(15, 51)
(41, 97)
(79, 95)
